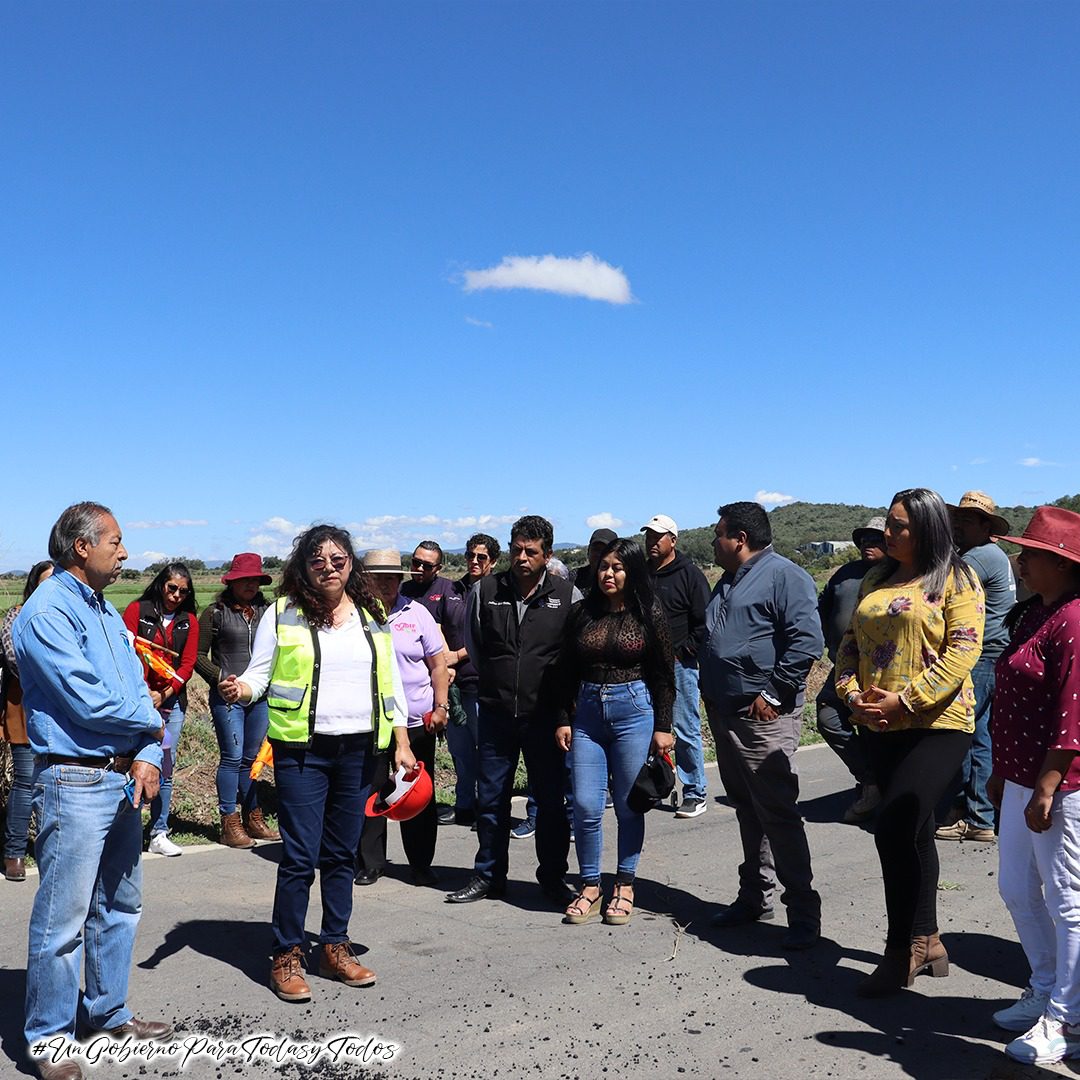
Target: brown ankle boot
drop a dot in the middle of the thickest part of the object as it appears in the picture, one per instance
(287, 975)
(890, 976)
(232, 832)
(928, 957)
(338, 962)
(256, 827)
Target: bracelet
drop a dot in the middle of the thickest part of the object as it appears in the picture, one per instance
(445, 708)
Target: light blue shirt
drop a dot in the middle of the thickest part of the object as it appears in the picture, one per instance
(83, 688)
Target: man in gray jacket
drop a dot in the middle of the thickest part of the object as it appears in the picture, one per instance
(763, 638)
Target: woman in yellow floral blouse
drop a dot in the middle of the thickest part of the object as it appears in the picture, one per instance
(903, 668)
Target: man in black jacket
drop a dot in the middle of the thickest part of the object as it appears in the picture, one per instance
(684, 593)
(514, 627)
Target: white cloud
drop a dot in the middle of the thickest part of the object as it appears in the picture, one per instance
(979, 461)
(153, 556)
(275, 536)
(479, 322)
(773, 498)
(603, 521)
(1038, 463)
(178, 523)
(585, 276)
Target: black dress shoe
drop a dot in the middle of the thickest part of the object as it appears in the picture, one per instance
(559, 893)
(142, 1030)
(446, 815)
(801, 935)
(465, 817)
(739, 914)
(424, 876)
(478, 888)
(368, 876)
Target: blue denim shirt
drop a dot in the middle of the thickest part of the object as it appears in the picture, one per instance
(83, 686)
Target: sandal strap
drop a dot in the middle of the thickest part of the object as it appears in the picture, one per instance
(582, 898)
(615, 904)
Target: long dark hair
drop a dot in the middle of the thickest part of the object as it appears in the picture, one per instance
(931, 534)
(299, 590)
(33, 579)
(638, 593)
(155, 591)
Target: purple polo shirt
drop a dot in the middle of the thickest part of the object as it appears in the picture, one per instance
(415, 635)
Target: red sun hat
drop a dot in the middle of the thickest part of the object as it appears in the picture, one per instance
(403, 796)
(1052, 529)
(246, 564)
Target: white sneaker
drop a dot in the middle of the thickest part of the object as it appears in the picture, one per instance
(1021, 1014)
(160, 844)
(1047, 1043)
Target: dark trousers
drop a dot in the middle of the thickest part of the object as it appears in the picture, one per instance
(321, 794)
(418, 833)
(845, 739)
(501, 741)
(913, 768)
(757, 766)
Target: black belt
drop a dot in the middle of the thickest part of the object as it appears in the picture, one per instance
(118, 763)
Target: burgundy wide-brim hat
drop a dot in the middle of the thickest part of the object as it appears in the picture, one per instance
(1052, 529)
(246, 564)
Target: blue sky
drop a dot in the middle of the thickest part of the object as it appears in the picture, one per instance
(272, 263)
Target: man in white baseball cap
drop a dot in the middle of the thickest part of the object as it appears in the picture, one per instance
(684, 593)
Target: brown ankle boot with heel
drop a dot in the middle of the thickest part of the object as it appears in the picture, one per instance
(928, 957)
(232, 832)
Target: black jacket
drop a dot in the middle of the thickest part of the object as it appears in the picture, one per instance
(516, 661)
(683, 591)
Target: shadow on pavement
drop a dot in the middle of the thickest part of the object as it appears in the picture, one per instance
(244, 945)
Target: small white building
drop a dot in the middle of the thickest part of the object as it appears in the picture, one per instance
(826, 547)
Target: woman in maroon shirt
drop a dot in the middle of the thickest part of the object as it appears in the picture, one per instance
(1036, 784)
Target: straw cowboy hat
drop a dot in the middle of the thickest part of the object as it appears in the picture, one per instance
(383, 561)
(981, 503)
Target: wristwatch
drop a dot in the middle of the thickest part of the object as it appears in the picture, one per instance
(769, 699)
(445, 707)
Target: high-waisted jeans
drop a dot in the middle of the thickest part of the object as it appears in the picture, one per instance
(240, 732)
(612, 733)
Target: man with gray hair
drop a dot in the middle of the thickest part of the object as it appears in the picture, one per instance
(91, 725)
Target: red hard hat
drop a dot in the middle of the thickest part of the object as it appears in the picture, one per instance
(403, 796)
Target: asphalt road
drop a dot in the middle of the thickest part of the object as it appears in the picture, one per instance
(503, 989)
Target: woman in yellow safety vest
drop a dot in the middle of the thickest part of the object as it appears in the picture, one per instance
(324, 659)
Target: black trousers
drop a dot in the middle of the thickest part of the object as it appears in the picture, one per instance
(913, 768)
(417, 834)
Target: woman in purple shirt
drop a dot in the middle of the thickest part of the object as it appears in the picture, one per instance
(1036, 783)
(421, 655)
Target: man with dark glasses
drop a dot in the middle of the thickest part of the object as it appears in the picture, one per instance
(427, 584)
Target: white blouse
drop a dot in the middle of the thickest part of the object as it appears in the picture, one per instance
(344, 703)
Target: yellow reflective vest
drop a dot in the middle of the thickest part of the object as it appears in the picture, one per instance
(294, 679)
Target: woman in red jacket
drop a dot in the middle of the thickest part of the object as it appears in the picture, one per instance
(165, 615)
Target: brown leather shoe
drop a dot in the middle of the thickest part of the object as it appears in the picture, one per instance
(928, 957)
(61, 1070)
(337, 962)
(142, 1030)
(232, 832)
(255, 826)
(287, 975)
(890, 976)
(15, 869)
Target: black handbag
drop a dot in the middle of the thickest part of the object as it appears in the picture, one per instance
(655, 782)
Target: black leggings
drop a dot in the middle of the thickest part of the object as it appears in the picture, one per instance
(913, 768)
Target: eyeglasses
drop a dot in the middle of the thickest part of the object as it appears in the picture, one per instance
(336, 561)
(475, 556)
(177, 590)
(419, 564)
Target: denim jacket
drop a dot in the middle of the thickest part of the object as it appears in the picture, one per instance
(83, 687)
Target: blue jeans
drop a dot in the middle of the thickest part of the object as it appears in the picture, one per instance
(613, 729)
(159, 805)
(321, 794)
(977, 762)
(88, 850)
(18, 807)
(240, 731)
(686, 723)
(461, 742)
(503, 739)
